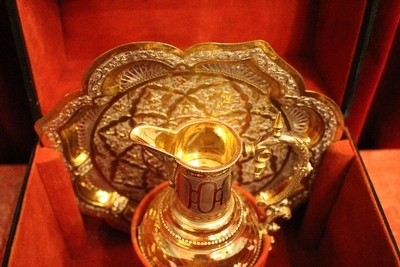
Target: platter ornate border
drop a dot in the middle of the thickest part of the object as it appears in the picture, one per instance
(246, 85)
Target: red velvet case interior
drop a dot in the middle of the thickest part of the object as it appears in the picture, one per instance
(342, 224)
(318, 38)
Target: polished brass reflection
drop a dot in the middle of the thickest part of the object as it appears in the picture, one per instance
(200, 220)
(245, 85)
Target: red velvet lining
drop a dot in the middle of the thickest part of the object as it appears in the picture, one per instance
(57, 184)
(182, 23)
(38, 240)
(327, 187)
(355, 226)
(11, 178)
(63, 39)
(382, 39)
(42, 29)
(337, 34)
(384, 171)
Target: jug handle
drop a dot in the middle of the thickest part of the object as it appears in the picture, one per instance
(261, 153)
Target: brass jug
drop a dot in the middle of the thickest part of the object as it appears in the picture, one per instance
(201, 219)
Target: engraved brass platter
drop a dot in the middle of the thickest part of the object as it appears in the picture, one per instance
(244, 85)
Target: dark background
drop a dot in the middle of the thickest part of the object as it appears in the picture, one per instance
(16, 124)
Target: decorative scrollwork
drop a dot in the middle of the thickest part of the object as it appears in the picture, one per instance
(244, 85)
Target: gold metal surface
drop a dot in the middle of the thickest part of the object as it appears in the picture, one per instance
(201, 220)
(164, 243)
(243, 85)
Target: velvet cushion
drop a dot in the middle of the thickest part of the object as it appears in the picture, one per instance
(11, 178)
(384, 171)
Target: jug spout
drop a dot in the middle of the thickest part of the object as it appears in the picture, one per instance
(154, 138)
(159, 142)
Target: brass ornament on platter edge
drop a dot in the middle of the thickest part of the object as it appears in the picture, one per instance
(244, 85)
